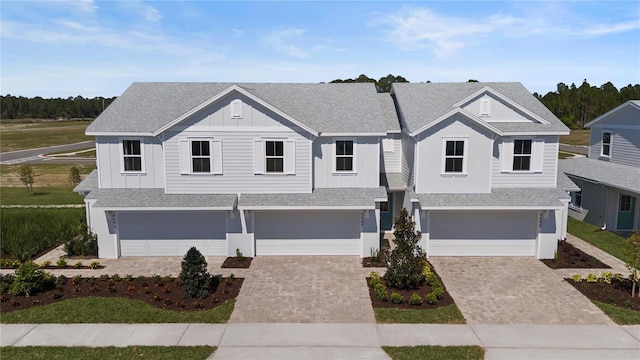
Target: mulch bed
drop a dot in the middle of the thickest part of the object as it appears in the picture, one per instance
(234, 263)
(570, 257)
(68, 267)
(616, 293)
(163, 293)
(421, 290)
(368, 262)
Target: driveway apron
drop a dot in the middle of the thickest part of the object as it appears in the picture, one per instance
(511, 290)
(304, 289)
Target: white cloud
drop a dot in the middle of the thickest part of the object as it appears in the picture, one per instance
(237, 33)
(290, 40)
(147, 12)
(86, 6)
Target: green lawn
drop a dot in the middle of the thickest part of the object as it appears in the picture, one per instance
(113, 310)
(46, 175)
(100, 353)
(35, 135)
(449, 314)
(605, 240)
(40, 196)
(435, 352)
(619, 315)
(577, 137)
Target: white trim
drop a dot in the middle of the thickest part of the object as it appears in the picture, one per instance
(462, 112)
(306, 207)
(494, 208)
(230, 129)
(488, 89)
(122, 155)
(602, 154)
(159, 208)
(611, 112)
(465, 147)
(220, 96)
(117, 133)
(370, 134)
(354, 158)
(535, 133)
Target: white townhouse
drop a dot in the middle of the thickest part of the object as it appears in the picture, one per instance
(322, 169)
(609, 178)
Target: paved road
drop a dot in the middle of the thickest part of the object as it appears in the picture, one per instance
(584, 150)
(33, 155)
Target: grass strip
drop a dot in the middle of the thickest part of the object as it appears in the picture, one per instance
(110, 352)
(434, 352)
(58, 195)
(102, 310)
(604, 240)
(449, 314)
(40, 136)
(619, 315)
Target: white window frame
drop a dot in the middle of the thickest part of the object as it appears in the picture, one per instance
(602, 144)
(353, 156)
(260, 156)
(530, 155)
(575, 195)
(186, 156)
(538, 148)
(236, 109)
(464, 156)
(193, 157)
(267, 157)
(141, 155)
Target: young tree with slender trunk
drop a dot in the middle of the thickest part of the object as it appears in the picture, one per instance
(27, 177)
(632, 252)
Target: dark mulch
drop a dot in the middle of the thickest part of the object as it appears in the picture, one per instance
(617, 293)
(369, 262)
(570, 257)
(68, 267)
(422, 290)
(234, 263)
(164, 293)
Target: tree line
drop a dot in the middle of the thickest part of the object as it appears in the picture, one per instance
(20, 107)
(574, 105)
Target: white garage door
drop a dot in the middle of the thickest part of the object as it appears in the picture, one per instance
(166, 233)
(307, 233)
(487, 233)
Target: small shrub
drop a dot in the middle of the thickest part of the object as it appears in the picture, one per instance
(230, 279)
(78, 265)
(426, 270)
(29, 279)
(15, 264)
(240, 256)
(438, 291)
(415, 299)
(606, 277)
(94, 265)
(576, 278)
(62, 263)
(84, 244)
(128, 278)
(141, 279)
(431, 298)
(5, 283)
(374, 280)
(374, 274)
(103, 277)
(4, 262)
(397, 298)
(591, 278)
(116, 277)
(431, 279)
(380, 292)
(194, 276)
(44, 264)
(74, 176)
(60, 281)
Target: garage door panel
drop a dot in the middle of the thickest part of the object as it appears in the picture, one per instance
(488, 233)
(172, 233)
(307, 233)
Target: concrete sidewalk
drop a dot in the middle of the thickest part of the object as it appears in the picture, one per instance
(342, 341)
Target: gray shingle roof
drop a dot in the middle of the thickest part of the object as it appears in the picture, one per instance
(89, 183)
(389, 112)
(498, 199)
(423, 103)
(616, 175)
(156, 198)
(393, 181)
(330, 198)
(332, 108)
(565, 183)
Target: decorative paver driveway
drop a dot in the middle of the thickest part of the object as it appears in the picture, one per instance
(511, 290)
(304, 289)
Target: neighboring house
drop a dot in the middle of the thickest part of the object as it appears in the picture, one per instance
(480, 161)
(610, 176)
(323, 169)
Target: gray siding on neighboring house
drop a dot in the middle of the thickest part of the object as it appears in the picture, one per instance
(509, 179)
(625, 145)
(366, 163)
(391, 156)
(109, 160)
(430, 173)
(594, 198)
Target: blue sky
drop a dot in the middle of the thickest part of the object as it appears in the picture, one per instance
(98, 48)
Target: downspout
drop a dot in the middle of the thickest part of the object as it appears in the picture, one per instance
(606, 206)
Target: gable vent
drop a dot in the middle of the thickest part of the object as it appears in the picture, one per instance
(485, 107)
(236, 109)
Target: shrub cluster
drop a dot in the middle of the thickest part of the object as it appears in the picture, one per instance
(194, 276)
(30, 279)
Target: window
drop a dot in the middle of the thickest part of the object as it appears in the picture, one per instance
(625, 203)
(200, 156)
(606, 144)
(454, 156)
(275, 156)
(132, 155)
(384, 206)
(522, 155)
(344, 155)
(576, 199)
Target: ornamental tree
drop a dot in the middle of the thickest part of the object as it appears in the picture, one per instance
(27, 176)
(406, 261)
(194, 276)
(632, 252)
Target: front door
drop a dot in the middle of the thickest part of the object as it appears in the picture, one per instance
(386, 214)
(626, 209)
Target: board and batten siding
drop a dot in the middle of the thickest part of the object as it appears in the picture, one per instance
(391, 153)
(238, 165)
(544, 179)
(109, 161)
(492, 109)
(430, 174)
(625, 145)
(366, 172)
